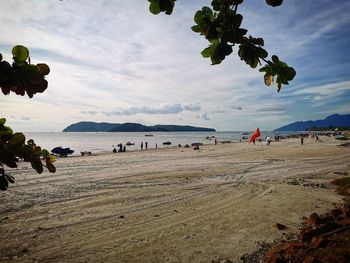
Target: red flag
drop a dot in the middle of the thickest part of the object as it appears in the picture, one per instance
(255, 135)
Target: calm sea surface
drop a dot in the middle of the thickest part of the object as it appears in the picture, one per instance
(105, 141)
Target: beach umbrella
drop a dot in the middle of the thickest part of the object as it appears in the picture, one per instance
(255, 135)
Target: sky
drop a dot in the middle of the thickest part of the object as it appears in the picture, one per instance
(114, 61)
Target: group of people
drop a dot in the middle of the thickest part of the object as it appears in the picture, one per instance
(121, 148)
(146, 145)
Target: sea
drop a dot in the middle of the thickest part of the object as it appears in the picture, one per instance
(99, 142)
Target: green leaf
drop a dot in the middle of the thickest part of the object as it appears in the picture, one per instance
(20, 53)
(154, 8)
(166, 6)
(36, 164)
(237, 21)
(217, 4)
(196, 28)
(45, 153)
(279, 86)
(37, 150)
(49, 165)
(17, 139)
(43, 68)
(207, 52)
(208, 13)
(31, 143)
(262, 53)
(220, 52)
(198, 17)
(275, 59)
(5, 131)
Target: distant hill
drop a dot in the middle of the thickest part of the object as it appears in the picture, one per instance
(88, 126)
(331, 122)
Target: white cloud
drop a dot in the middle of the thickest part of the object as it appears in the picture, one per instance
(324, 92)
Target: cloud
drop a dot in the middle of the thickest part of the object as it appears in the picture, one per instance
(192, 107)
(89, 112)
(237, 108)
(273, 108)
(325, 91)
(164, 109)
(203, 116)
(20, 118)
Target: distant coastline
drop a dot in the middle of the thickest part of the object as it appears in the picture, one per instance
(329, 123)
(89, 126)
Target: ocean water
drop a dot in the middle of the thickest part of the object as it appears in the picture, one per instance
(97, 142)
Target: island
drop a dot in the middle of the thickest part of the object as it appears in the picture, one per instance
(89, 126)
(342, 122)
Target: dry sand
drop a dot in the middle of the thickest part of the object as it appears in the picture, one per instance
(170, 205)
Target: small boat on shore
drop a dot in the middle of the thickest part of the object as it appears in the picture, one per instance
(129, 143)
(149, 135)
(197, 144)
(62, 152)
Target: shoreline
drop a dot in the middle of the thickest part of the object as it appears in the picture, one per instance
(167, 205)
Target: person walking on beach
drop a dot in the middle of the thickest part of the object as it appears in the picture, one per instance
(302, 140)
(141, 146)
(146, 145)
(156, 146)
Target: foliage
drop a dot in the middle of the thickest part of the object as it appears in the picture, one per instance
(13, 148)
(221, 26)
(22, 77)
(157, 6)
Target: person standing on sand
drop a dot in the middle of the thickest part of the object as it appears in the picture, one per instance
(141, 146)
(146, 145)
(156, 146)
(302, 140)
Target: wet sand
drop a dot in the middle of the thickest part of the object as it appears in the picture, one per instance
(169, 205)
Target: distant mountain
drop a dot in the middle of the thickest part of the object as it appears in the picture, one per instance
(88, 126)
(332, 121)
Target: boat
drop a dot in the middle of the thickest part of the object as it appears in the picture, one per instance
(342, 137)
(149, 135)
(245, 133)
(62, 152)
(129, 143)
(167, 143)
(197, 144)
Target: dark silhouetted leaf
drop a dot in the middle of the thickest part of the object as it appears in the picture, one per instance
(10, 178)
(3, 183)
(49, 165)
(274, 3)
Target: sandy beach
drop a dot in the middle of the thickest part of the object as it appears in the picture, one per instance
(169, 205)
